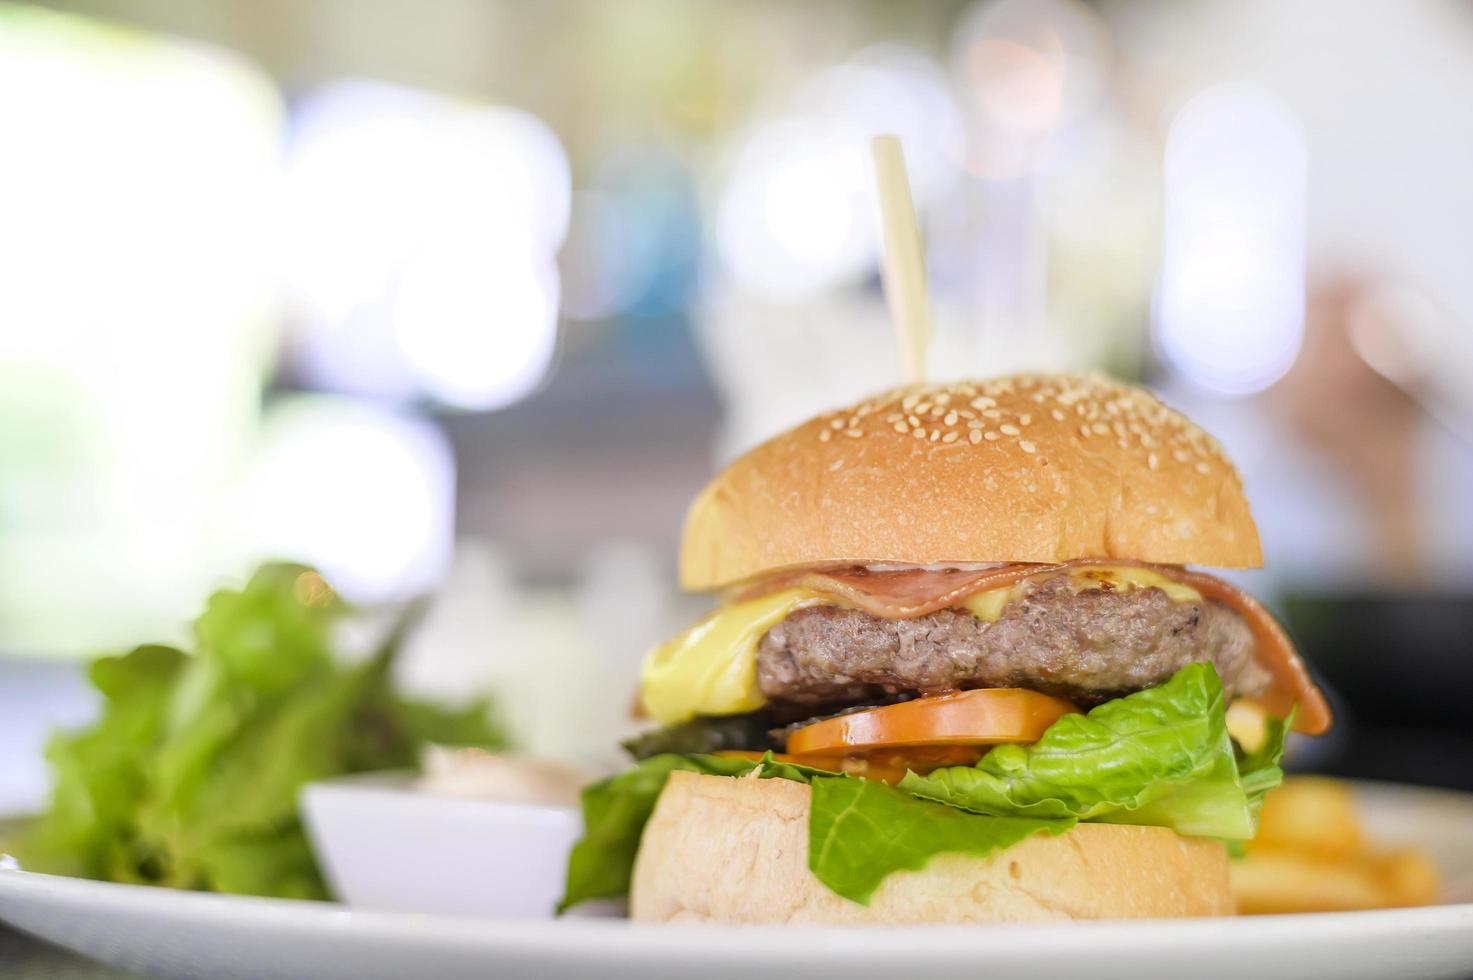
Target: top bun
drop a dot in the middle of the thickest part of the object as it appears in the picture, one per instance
(1029, 468)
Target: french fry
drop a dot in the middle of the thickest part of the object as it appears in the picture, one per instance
(1271, 883)
(1274, 882)
(1310, 815)
(1310, 855)
(1409, 876)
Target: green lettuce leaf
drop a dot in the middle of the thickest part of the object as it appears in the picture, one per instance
(1161, 757)
(191, 774)
(100, 775)
(860, 832)
(1260, 770)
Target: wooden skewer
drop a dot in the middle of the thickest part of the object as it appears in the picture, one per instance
(905, 263)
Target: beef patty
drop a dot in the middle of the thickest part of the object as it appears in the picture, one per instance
(1087, 646)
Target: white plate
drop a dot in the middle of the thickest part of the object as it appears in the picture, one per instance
(184, 934)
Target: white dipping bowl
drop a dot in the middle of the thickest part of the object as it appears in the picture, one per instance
(385, 844)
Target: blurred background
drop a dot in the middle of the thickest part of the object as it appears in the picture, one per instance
(471, 296)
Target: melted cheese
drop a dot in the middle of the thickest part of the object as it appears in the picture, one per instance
(1127, 577)
(988, 606)
(711, 668)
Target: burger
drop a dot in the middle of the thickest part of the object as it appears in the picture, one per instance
(959, 671)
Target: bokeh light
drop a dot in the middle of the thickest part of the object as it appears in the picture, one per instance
(796, 213)
(476, 339)
(1230, 300)
(1027, 70)
(137, 182)
(612, 254)
(789, 220)
(363, 493)
(422, 231)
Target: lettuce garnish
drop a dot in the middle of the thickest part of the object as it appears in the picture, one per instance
(190, 775)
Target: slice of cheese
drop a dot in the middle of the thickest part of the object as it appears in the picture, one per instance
(988, 605)
(711, 668)
(1127, 577)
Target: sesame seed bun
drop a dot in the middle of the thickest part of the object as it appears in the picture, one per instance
(1029, 468)
(725, 850)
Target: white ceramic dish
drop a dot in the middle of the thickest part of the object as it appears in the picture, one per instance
(385, 845)
(180, 934)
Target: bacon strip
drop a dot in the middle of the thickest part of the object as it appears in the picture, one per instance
(897, 595)
(1273, 649)
(919, 592)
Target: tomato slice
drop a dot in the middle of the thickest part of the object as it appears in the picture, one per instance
(988, 716)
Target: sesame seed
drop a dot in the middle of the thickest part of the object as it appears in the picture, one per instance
(946, 413)
(1027, 446)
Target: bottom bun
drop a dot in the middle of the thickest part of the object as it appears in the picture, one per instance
(719, 849)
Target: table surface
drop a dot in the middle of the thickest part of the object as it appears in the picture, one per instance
(24, 958)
